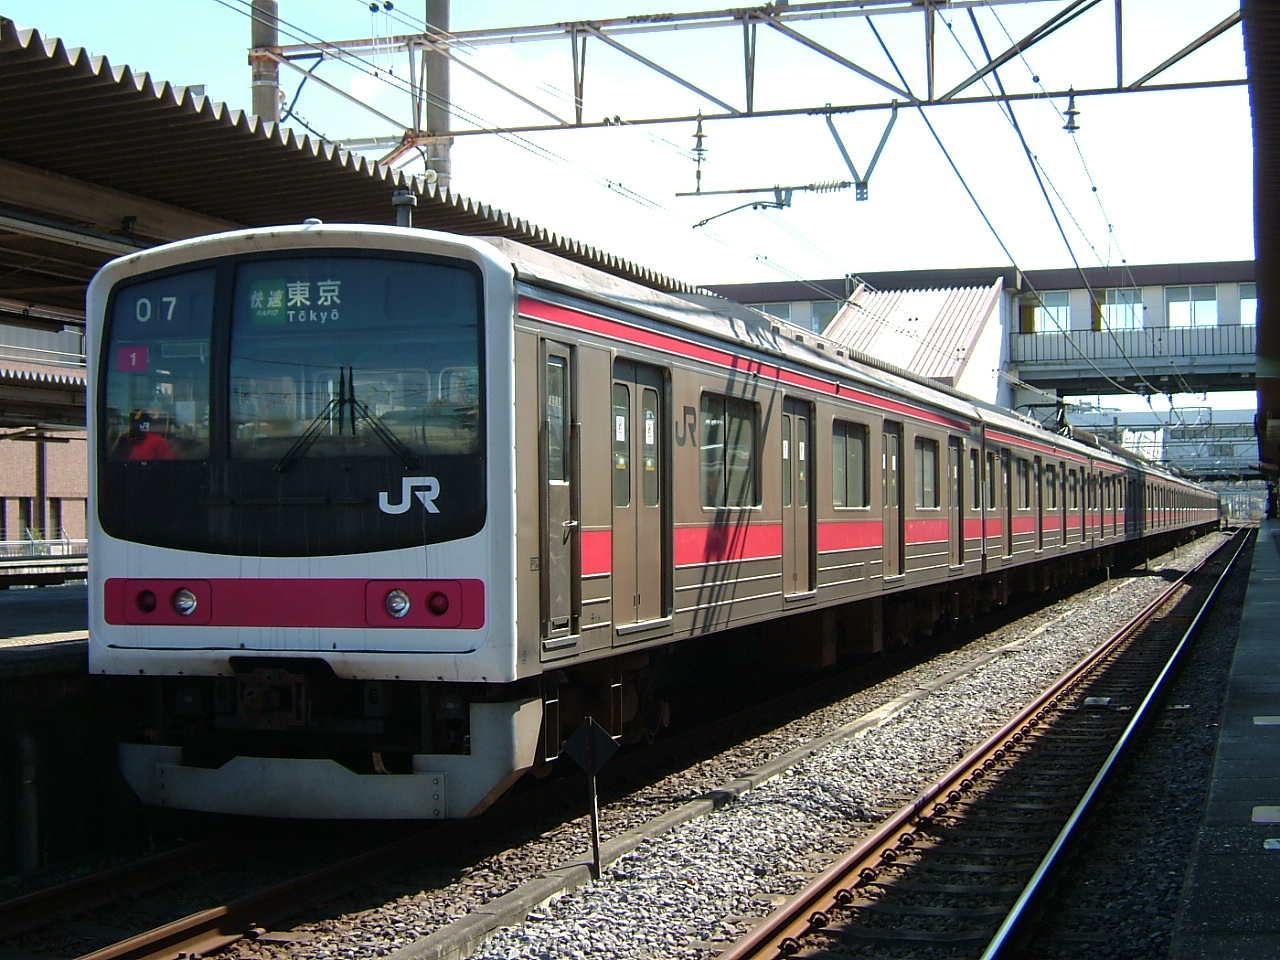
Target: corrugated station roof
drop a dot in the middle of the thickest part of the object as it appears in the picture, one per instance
(69, 114)
(929, 332)
(1064, 278)
(32, 394)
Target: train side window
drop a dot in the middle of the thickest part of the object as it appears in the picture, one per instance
(1024, 484)
(650, 449)
(557, 440)
(1051, 487)
(729, 462)
(975, 478)
(786, 460)
(926, 472)
(802, 461)
(849, 464)
(621, 445)
(993, 483)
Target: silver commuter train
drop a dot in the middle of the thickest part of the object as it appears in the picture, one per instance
(379, 515)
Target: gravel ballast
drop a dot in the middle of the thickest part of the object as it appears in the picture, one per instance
(684, 879)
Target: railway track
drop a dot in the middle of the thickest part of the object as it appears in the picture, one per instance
(243, 916)
(960, 871)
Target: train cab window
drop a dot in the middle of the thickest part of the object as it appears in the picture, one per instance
(849, 464)
(729, 462)
(157, 369)
(344, 356)
(926, 472)
(621, 445)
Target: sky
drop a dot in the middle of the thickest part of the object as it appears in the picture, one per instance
(1148, 178)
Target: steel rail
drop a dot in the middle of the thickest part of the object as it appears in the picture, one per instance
(1036, 888)
(780, 934)
(213, 929)
(32, 910)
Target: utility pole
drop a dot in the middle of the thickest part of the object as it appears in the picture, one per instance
(266, 71)
(438, 95)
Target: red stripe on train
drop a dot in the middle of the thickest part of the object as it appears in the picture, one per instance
(597, 552)
(726, 542)
(630, 333)
(355, 603)
(850, 535)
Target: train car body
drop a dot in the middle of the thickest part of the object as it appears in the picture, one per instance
(379, 515)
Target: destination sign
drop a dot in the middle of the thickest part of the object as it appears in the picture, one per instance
(279, 302)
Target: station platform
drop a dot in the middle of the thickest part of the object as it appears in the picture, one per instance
(1231, 904)
(44, 653)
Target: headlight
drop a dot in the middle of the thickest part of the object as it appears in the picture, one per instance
(184, 602)
(397, 603)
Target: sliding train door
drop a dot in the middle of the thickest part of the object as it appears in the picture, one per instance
(894, 539)
(559, 521)
(641, 537)
(955, 500)
(797, 536)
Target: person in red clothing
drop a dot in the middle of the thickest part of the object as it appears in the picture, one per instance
(142, 443)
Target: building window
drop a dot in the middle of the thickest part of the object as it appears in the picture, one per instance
(1122, 309)
(823, 312)
(926, 472)
(1192, 306)
(781, 311)
(1248, 304)
(728, 452)
(849, 464)
(1053, 313)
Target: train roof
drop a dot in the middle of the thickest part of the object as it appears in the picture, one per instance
(706, 313)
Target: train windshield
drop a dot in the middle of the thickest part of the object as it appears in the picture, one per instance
(269, 404)
(353, 358)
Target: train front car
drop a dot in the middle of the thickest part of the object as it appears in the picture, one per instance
(302, 522)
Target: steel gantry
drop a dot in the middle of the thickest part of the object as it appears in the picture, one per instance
(783, 19)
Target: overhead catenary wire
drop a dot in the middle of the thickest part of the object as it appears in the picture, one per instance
(977, 204)
(1156, 346)
(363, 65)
(614, 185)
(1042, 177)
(566, 98)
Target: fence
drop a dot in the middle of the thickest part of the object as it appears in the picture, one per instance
(31, 547)
(1152, 343)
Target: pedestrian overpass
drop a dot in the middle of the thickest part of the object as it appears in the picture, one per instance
(1026, 339)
